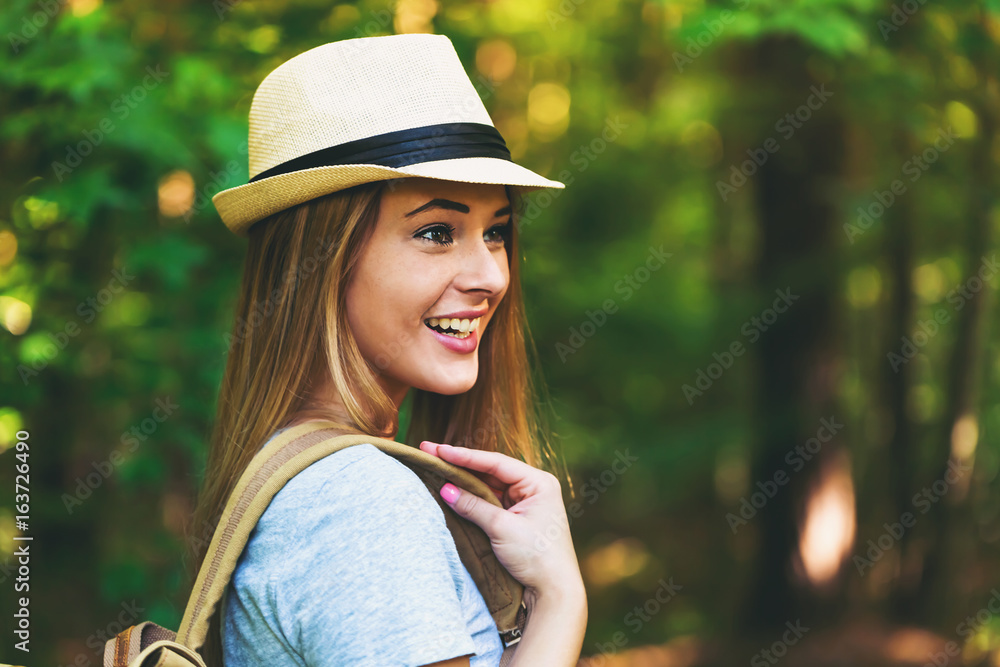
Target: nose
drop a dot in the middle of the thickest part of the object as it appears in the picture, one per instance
(483, 268)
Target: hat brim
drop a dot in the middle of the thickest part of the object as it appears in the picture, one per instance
(244, 205)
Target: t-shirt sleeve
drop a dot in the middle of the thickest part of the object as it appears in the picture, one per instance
(371, 576)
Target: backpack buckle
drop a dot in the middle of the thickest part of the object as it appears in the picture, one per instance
(510, 637)
(513, 636)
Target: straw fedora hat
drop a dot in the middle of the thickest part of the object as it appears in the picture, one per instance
(363, 110)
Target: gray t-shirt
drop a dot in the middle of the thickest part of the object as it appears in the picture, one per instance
(352, 564)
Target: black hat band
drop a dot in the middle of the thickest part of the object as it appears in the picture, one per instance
(429, 143)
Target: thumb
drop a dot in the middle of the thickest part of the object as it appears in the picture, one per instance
(469, 505)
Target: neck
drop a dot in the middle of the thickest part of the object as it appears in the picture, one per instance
(328, 400)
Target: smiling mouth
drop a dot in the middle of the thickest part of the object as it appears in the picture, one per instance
(458, 328)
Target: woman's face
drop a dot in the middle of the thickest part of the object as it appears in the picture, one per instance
(437, 251)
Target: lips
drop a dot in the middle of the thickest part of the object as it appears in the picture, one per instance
(453, 342)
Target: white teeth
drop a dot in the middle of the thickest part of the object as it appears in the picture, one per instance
(461, 327)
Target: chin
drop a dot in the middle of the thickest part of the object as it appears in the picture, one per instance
(450, 387)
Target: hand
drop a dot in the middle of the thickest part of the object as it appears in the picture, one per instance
(530, 536)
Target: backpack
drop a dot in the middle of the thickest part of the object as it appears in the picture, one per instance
(147, 644)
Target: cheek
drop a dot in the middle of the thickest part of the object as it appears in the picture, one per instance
(505, 269)
(362, 298)
(387, 301)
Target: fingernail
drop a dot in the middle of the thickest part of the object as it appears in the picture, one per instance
(450, 493)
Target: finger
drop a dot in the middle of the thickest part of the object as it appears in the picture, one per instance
(488, 479)
(495, 485)
(500, 493)
(504, 469)
(470, 506)
(499, 489)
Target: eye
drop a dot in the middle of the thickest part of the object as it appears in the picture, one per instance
(500, 233)
(438, 229)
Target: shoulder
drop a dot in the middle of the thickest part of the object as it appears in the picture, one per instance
(347, 468)
(360, 558)
(355, 500)
(358, 479)
(353, 562)
(356, 509)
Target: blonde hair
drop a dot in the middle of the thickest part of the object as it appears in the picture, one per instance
(279, 349)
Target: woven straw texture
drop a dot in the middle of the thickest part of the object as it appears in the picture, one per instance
(351, 90)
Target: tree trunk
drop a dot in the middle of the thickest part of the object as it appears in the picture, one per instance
(902, 453)
(950, 518)
(797, 214)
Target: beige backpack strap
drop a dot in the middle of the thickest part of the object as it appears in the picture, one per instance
(172, 654)
(133, 645)
(294, 450)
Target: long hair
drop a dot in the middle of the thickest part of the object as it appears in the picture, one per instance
(291, 329)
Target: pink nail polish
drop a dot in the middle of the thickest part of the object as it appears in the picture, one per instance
(450, 493)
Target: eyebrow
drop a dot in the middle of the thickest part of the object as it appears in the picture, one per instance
(452, 206)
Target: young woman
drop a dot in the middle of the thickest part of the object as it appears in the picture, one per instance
(382, 264)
